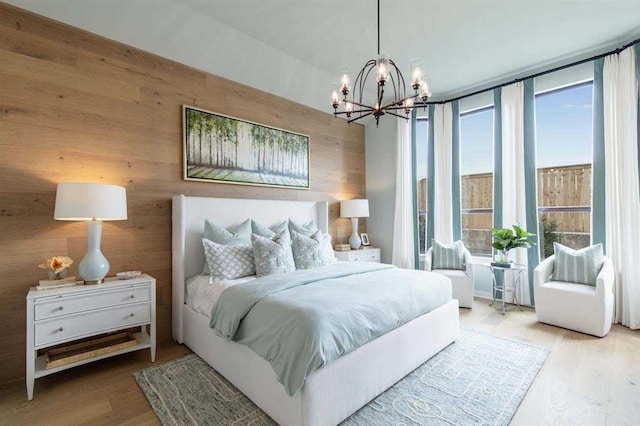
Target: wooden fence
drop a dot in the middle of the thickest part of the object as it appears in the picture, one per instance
(566, 186)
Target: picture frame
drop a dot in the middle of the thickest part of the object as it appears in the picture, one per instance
(365, 239)
(224, 149)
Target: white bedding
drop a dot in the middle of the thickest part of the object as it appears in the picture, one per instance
(204, 291)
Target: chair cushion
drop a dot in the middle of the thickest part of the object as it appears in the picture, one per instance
(450, 272)
(448, 256)
(562, 286)
(577, 266)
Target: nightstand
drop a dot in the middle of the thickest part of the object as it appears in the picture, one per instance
(362, 255)
(67, 314)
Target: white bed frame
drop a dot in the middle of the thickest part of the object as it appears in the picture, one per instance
(330, 394)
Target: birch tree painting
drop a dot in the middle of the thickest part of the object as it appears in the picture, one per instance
(224, 149)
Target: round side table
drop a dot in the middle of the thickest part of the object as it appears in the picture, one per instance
(503, 288)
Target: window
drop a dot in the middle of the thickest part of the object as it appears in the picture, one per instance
(476, 170)
(564, 144)
(422, 136)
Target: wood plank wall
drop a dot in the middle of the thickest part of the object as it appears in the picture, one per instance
(78, 107)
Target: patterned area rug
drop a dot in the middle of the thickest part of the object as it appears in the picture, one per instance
(480, 379)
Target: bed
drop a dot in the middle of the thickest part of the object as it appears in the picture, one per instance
(327, 396)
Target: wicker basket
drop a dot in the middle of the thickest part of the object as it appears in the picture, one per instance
(75, 352)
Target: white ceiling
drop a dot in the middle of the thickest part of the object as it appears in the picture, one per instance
(293, 48)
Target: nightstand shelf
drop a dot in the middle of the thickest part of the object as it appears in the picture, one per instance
(362, 255)
(71, 314)
(143, 342)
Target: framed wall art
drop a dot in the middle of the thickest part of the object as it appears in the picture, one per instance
(223, 149)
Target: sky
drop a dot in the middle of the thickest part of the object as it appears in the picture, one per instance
(563, 133)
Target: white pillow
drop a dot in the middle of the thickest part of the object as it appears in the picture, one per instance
(228, 261)
(234, 235)
(327, 254)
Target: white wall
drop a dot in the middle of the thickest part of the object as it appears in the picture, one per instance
(380, 158)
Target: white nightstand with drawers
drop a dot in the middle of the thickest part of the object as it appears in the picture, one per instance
(66, 314)
(362, 255)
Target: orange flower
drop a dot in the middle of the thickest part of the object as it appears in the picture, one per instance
(57, 263)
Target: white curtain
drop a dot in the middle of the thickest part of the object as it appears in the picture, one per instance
(622, 201)
(513, 188)
(442, 152)
(403, 254)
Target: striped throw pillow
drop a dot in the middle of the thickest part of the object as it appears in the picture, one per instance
(577, 266)
(448, 256)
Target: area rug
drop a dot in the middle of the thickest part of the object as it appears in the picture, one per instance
(479, 379)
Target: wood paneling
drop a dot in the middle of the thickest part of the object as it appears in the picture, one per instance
(78, 107)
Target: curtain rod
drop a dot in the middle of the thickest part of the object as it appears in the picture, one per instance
(541, 73)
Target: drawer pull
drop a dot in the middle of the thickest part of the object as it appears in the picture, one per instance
(60, 308)
(60, 330)
(132, 296)
(131, 314)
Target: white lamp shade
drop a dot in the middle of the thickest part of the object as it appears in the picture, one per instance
(90, 201)
(354, 208)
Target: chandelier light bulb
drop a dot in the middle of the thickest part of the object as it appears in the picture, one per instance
(408, 105)
(424, 92)
(416, 76)
(383, 69)
(417, 65)
(335, 99)
(345, 84)
(348, 107)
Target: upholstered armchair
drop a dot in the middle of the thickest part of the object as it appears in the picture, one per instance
(461, 280)
(579, 307)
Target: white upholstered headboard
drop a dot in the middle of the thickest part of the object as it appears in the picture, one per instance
(189, 214)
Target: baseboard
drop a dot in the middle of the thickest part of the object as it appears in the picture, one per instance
(483, 295)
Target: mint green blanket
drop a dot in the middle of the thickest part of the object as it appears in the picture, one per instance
(303, 320)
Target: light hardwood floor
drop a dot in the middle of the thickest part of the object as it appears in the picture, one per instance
(584, 381)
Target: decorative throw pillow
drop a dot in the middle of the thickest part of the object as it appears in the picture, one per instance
(327, 254)
(269, 232)
(272, 255)
(312, 251)
(577, 266)
(448, 256)
(306, 250)
(230, 261)
(234, 235)
(306, 229)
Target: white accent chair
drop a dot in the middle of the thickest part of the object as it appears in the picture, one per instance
(461, 281)
(578, 307)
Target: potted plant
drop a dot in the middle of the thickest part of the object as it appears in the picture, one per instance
(507, 239)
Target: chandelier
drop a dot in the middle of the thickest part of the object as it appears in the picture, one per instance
(387, 76)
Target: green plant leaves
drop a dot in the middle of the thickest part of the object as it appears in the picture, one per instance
(507, 239)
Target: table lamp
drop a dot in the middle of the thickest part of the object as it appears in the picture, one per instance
(354, 209)
(93, 203)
